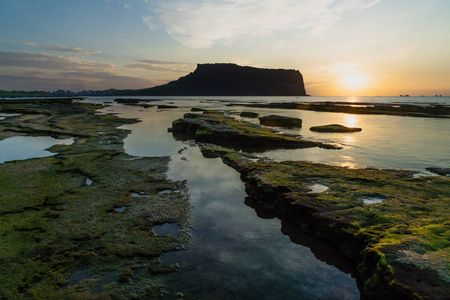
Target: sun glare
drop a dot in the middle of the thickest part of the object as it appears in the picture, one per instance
(354, 80)
(350, 120)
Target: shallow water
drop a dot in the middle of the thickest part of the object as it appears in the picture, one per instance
(25, 147)
(4, 116)
(240, 251)
(384, 142)
(237, 251)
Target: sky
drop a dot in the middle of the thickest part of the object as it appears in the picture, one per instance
(341, 47)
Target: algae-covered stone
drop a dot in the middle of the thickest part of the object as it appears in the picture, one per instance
(439, 171)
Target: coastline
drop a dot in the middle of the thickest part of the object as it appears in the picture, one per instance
(374, 265)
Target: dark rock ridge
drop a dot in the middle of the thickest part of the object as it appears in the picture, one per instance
(407, 110)
(334, 128)
(230, 80)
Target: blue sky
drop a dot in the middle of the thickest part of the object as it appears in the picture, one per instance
(342, 47)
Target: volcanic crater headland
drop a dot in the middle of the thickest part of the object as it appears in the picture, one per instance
(226, 79)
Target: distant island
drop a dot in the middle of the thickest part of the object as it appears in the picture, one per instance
(226, 79)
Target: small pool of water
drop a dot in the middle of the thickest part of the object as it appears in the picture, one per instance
(167, 228)
(372, 199)
(25, 147)
(4, 116)
(139, 195)
(318, 188)
(119, 209)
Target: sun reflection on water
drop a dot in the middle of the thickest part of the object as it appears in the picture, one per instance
(350, 120)
(347, 164)
(349, 140)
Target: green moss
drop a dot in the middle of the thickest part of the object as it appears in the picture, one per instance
(53, 224)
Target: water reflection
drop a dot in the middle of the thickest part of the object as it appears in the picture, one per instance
(25, 147)
(384, 142)
(350, 120)
(349, 140)
(237, 251)
(150, 136)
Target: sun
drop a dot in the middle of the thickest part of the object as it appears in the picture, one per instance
(354, 80)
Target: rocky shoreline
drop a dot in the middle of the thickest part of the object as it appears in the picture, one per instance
(408, 110)
(80, 223)
(391, 224)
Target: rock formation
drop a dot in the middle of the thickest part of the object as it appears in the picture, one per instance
(230, 80)
(280, 121)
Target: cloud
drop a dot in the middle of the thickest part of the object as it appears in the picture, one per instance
(47, 61)
(74, 81)
(201, 24)
(157, 65)
(28, 43)
(42, 71)
(159, 62)
(65, 49)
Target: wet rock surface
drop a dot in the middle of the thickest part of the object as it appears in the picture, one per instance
(439, 171)
(63, 237)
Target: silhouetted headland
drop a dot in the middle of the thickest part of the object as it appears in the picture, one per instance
(229, 80)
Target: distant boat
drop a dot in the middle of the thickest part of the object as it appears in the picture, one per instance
(404, 95)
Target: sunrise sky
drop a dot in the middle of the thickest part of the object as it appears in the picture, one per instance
(342, 47)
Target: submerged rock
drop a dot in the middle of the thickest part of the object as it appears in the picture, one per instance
(439, 171)
(280, 121)
(334, 128)
(249, 114)
(163, 106)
